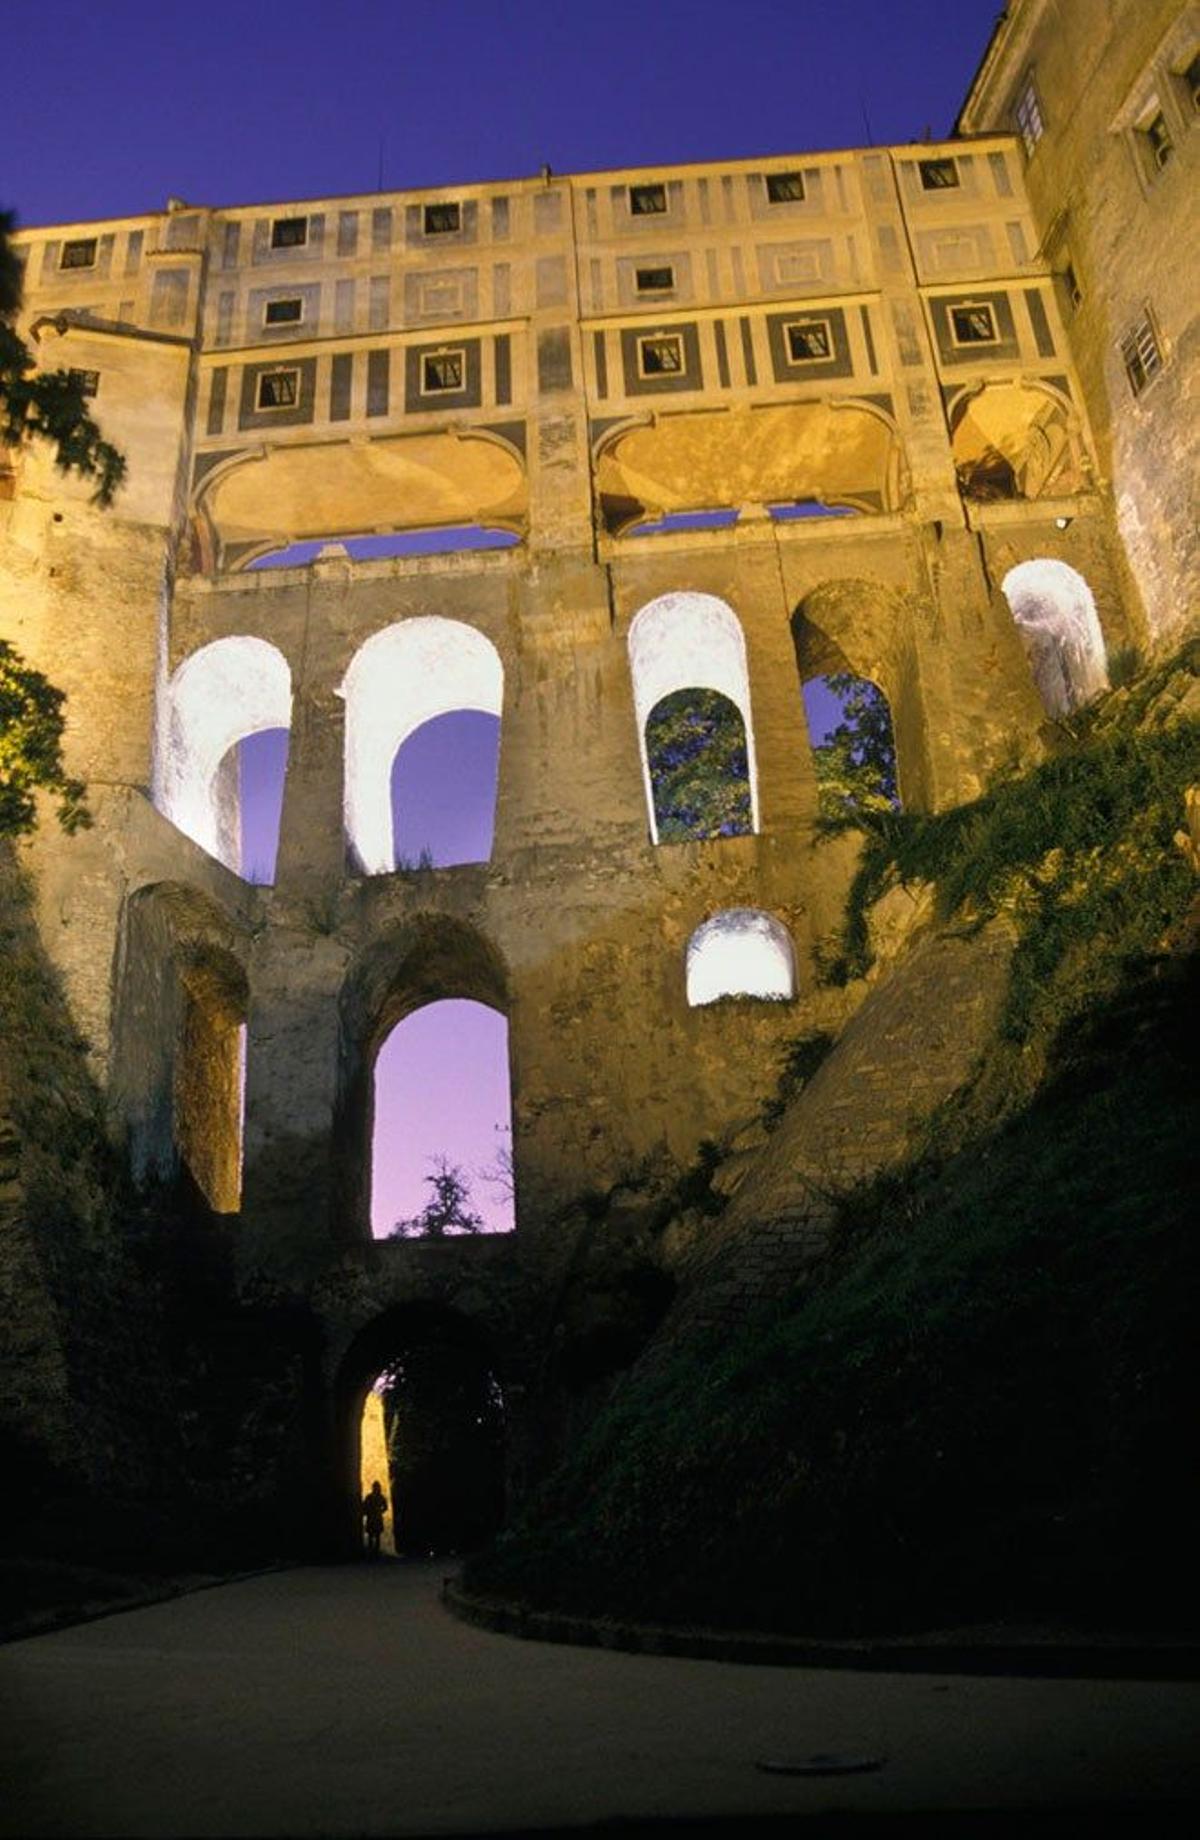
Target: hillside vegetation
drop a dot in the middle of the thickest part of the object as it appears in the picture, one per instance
(983, 1406)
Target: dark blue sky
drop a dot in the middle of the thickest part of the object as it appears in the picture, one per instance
(109, 107)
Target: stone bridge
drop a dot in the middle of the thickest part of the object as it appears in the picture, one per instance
(731, 428)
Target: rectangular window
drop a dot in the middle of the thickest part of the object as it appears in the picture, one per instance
(86, 382)
(1071, 287)
(1140, 354)
(1156, 139)
(289, 232)
(278, 389)
(1027, 114)
(808, 339)
(655, 280)
(79, 254)
(442, 219)
(785, 188)
(661, 355)
(973, 324)
(442, 371)
(647, 200)
(283, 312)
(938, 175)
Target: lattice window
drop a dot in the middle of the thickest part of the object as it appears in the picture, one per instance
(289, 233)
(785, 188)
(1141, 354)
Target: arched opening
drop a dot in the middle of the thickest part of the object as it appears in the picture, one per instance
(177, 1067)
(860, 683)
(740, 952)
(422, 1413)
(1016, 440)
(210, 1077)
(220, 697)
(443, 790)
(261, 776)
(399, 680)
(442, 1124)
(687, 657)
(853, 744)
(699, 767)
(1060, 631)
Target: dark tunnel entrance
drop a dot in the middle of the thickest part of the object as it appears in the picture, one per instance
(423, 1413)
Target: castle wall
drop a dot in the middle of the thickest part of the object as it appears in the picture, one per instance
(1112, 162)
(858, 358)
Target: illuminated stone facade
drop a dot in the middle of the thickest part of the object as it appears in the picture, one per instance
(864, 359)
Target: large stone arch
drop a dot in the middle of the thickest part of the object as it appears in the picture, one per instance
(1016, 438)
(412, 963)
(377, 1343)
(840, 451)
(219, 695)
(688, 641)
(867, 629)
(1056, 618)
(176, 1077)
(399, 679)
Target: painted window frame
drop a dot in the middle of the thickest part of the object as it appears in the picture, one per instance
(777, 186)
(67, 257)
(285, 300)
(646, 339)
(267, 377)
(283, 233)
(825, 328)
(939, 163)
(953, 308)
(451, 309)
(429, 212)
(640, 197)
(644, 286)
(443, 352)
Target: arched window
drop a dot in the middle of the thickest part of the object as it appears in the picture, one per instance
(740, 952)
(1060, 630)
(693, 643)
(441, 1141)
(400, 679)
(854, 747)
(218, 698)
(699, 768)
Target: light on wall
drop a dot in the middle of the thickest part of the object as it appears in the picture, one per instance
(1062, 523)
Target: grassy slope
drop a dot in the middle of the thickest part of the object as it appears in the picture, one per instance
(985, 1408)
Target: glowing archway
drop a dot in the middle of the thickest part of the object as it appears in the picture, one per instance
(398, 680)
(688, 641)
(1060, 630)
(219, 695)
(740, 952)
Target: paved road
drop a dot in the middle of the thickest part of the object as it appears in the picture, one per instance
(346, 1701)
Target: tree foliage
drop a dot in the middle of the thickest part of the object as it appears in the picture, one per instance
(699, 767)
(856, 763)
(47, 403)
(448, 1209)
(31, 729)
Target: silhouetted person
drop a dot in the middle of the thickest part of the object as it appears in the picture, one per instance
(373, 1510)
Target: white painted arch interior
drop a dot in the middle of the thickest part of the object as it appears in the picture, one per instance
(1060, 630)
(740, 952)
(218, 696)
(399, 679)
(689, 641)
